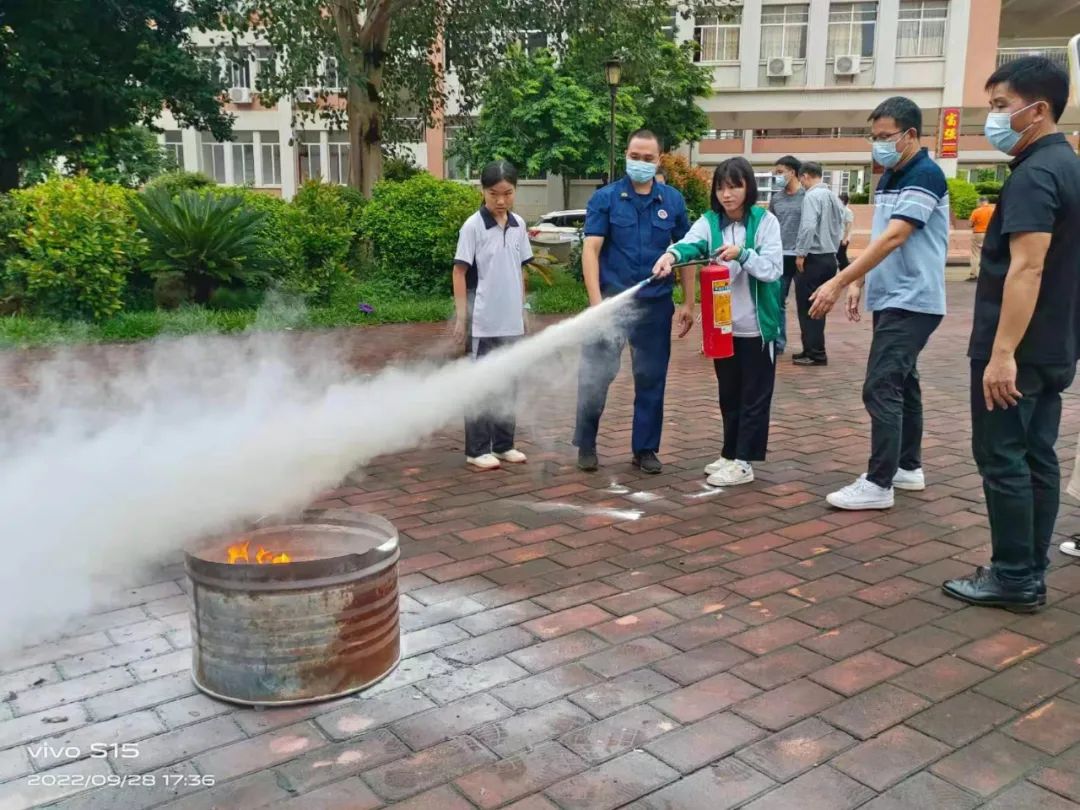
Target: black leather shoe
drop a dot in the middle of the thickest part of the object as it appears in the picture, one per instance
(587, 461)
(985, 589)
(647, 462)
(809, 361)
(1040, 591)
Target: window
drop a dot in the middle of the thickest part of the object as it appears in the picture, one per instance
(338, 161)
(331, 76)
(457, 167)
(271, 159)
(310, 159)
(764, 185)
(213, 160)
(173, 147)
(534, 41)
(264, 63)
(243, 159)
(921, 31)
(783, 31)
(851, 29)
(717, 37)
(670, 26)
(238, 72)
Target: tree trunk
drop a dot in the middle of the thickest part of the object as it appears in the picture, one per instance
(9, 174)
(365, 140)
(363, 39)
(565, 190)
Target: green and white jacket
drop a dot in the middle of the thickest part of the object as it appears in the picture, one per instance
(755, 275)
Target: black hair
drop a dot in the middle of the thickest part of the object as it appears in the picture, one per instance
(844, 198)
(1035, 78)
(811, 168)
(645, 134)
(789, 162)
(903, 111)
(737, 172)
(497, 171)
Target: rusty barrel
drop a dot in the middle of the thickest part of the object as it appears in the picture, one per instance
(323, 625)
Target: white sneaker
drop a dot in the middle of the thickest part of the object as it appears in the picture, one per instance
(909, 480)
(718, 465)
(863, 494)
(512, 456)
(484, 462)
(1070, 547)
(735, 473)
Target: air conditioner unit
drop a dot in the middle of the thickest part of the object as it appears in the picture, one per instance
(305, 95)
(847, 65)
(240, 95)
(778, 67)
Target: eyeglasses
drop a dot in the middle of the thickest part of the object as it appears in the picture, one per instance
(883, 138)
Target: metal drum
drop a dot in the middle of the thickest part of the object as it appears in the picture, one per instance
(312, 615)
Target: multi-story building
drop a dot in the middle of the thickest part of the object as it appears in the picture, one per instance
(801, 77)
(789, 77)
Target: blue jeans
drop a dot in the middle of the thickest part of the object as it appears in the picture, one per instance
(649, 334)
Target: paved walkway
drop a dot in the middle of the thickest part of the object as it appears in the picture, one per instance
(686, 651)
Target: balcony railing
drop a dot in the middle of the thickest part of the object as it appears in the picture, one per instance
(1057, 55)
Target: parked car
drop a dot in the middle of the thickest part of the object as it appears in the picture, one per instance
(558, 232)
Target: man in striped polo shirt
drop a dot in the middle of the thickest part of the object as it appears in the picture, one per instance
(906, 293)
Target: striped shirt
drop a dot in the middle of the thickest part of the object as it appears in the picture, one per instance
(912, 277)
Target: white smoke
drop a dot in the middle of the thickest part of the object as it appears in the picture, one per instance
(102, 474)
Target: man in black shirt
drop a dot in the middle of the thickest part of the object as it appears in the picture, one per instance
(1024, 341)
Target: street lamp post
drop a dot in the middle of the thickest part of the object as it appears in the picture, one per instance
(613, 73)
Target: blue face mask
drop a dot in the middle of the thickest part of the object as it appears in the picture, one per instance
(886, 153)
(999, 131)
(779, 182)
(640, 171)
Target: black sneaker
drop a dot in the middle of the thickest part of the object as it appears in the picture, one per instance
(1040, 590)
(648, 463)
(803, 360)
(798, 356)
(983, 588)
(587, 461)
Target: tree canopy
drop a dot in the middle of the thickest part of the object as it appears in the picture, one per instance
(401, 64)
(71, 70)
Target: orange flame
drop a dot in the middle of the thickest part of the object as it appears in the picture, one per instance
(238, 553)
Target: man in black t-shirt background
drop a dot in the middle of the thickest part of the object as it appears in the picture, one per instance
(1026, 331)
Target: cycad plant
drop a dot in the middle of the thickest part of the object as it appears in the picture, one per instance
(207, 240)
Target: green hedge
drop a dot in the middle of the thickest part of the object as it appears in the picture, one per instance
(412, 226)
(962, 197)
(76, 249)
(991, 189)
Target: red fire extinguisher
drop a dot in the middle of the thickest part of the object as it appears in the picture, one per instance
(717, 331)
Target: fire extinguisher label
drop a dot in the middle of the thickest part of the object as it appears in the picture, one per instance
(721, 296)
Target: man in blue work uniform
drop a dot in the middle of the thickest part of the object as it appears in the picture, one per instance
(629, 224)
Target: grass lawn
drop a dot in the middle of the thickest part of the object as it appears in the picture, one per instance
(564, 295)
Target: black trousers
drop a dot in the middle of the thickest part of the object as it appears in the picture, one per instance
(745, 385)
(490, 431)
(1014, 450)
(841, 256)
(790, 271)
(892, 394)
(817, 269)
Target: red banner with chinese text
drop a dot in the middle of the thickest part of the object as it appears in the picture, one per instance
(950, 132)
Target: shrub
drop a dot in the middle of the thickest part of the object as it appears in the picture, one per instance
(398, 169)
(325, 221)
(858, 198)
(962, 197)
(175, 182)
(694, 182)
(78, 247)
(213, 241)
(991, 189)
(413, 229)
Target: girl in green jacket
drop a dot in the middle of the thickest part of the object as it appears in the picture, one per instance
(748, 238)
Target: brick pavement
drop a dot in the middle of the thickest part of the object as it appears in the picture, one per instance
(745, 649)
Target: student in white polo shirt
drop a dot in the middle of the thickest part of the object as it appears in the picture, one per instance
(489, 297)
